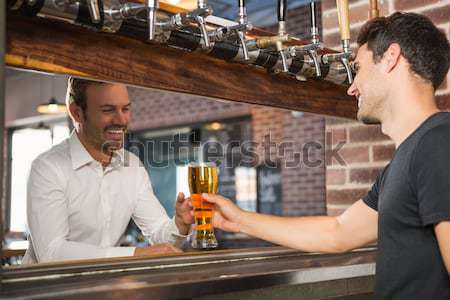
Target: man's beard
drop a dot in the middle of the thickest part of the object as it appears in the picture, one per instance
(367, 114)
(369, 120)
(110, 146)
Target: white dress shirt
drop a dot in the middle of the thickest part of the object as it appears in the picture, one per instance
(77, 209)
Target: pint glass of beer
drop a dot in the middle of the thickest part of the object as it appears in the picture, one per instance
(203, 178)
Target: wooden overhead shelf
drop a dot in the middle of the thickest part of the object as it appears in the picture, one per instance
(57, 47)
(166, 6)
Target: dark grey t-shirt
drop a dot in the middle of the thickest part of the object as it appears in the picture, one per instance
(411, 195)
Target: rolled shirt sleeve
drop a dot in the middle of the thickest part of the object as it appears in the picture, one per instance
(151, 217)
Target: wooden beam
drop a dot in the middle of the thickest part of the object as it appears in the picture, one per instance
(57, 47)
(165, 6)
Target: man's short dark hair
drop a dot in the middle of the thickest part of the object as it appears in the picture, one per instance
(76, 91)
(424, 46)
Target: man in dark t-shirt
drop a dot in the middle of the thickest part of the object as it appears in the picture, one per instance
(401, 61)
(411, 195)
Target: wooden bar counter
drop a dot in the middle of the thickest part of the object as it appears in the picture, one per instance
(271, 273)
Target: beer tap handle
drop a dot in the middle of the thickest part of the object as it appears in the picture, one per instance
(344, 24)
(202, 4)
(151, 5)
(201, 24)
(282, 14)
(315, 59)
(284, 61)
(346, 62)
(243, 23)
(243, 42)
(199, 16)
(242, 12)
(282, 10)
(374, 12)
(94, 11)
(344, 27)
(314, 29)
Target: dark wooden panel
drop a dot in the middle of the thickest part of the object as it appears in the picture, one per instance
(53, 46)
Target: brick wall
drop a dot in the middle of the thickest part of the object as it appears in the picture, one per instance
(152, 109)
(366, 150)
(303, 188)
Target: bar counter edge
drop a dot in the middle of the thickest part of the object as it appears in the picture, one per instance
(271, 273)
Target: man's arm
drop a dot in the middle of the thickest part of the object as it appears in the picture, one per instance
(356, 227)
(442, 231)
(150, 216)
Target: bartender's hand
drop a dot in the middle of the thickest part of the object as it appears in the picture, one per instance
(227, 215)
(183, 214)
(157, 249)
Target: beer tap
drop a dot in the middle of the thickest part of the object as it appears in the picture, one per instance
(181, 20)
(239, 30)
(282, 33)
(244, 26)
(281, 38)
(115, 12)
(344, 27)
(152, 6)
(311, 49)
(373, 9)
(199, 15)
(94, 11)
(315, 39)
(93, 7)
(87, 12)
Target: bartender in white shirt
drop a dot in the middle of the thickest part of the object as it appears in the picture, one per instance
(83, 192)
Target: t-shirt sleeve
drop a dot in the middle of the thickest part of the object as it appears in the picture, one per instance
(371, 199)
(430, 172)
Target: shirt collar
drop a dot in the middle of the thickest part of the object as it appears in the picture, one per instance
(117, 159)
(80, 156)
(78, 153)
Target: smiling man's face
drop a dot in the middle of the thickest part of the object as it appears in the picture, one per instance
(106, 118)
(369, 87)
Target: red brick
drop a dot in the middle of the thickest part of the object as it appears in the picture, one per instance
(383, 152)
(444, 85)
(358, 14)
(335, 177)
(355, 154)
(409, 4)
(367, 133)
(334, 39)
(347, 155)
(346, 196)
(438, 15)
(336, 136)
(443, 102)
(364, 175)
(329, 4)
(330, 121)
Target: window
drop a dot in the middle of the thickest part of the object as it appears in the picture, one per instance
(245, 179)
(26, 145)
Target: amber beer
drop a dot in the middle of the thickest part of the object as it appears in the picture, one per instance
(203, 178)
